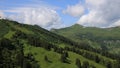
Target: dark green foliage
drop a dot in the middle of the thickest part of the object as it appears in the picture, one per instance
(97, 59)
(30, 63)
(4, 27)
(12, 56)
(46, 58)
(7, 51)
(19, 34)
(63, 58)
(78, 63)
(92, 66)
(85, 64)
(117, 65)
(30, 56)
(6, 43)
(35, 41)
(109, 65)
(66, 54)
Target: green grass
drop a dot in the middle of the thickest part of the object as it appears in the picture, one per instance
(9, 34)
(93, 35)
(22, 29)
(54, 57)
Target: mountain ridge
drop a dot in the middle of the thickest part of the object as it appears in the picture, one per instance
(99, 36)
(38, 46)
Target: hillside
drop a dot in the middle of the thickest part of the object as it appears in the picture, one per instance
(30, 46)
(102, 38)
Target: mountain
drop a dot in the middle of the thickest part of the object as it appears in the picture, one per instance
(30, 46)
(102, 38)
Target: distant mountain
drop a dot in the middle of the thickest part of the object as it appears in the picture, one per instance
(30, 46)
(105, 38)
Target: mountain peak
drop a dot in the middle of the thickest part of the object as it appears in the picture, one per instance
(77, 25)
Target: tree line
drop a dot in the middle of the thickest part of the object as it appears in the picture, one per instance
(37, 42)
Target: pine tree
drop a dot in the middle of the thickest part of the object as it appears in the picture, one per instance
(66, 54)
(85, 64)
(109, 65)
(46, 58)
(78, 63)
(63, 58)
(97, 59)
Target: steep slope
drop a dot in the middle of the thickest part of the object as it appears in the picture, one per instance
(105, 38)
(43, 49)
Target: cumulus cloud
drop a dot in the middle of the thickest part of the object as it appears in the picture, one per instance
(74, 10)
(102, 13)
(92, 19)
(43, 16)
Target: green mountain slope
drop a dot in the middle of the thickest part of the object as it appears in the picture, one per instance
(31, 46)
(103, 38)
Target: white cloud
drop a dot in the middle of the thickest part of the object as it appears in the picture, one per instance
(102, 13)
(117, 23)
(92, 19)
(94, 3)
(74, 10)
(43, 16)
(1, 14)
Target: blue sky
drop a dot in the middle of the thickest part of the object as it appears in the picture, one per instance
(62, 13)
(61, 4)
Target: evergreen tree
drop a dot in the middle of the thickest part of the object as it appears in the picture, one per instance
(66, 54)
(63, 58)
(85, 64)
(97, 59)
(46, 58)
(109, 65)
(78, 63)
